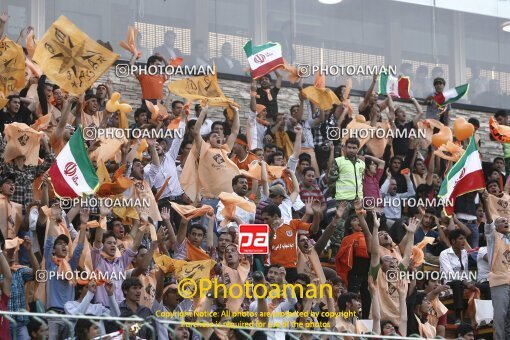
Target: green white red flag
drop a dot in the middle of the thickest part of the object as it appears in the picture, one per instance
(396, 87)
(263, 59)
(465, 176)
(451, 95)
(73, 174)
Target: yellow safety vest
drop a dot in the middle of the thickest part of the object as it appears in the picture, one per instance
(349, 184)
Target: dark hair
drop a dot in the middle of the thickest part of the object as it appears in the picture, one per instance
(33, 326)
(396, 158)
(352, 140)
(13, 96)
(136, 160)
(303, 277)
(474, 121)
(191, 123)
(153, 58)
(272, 210)
(464, 328)
(455, 234)
(430, 276)
(346, 297)
(270, 158)
(224, 233)
(197, 226)
(338, 91)
(292, 107)
(216, 123)
(305, 157)
(308, 168)
(430, 210)
(108, 234)
(197, 107)
(500, 113)
(492, 181)
(242, 137)
(82, 328)
(175, 102)
(274, 265)
(142, 247)
(113, 220)
(236, 179)
(269, 146)
(368, 162)
(498, 159)
(418, 299)
(256, 149)
(131, 282)
(139, 111)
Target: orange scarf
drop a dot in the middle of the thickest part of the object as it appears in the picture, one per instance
(63, 267)
(283, 142)
(195, 253)
(345, 256)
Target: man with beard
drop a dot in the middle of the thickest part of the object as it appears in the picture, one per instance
(267, 96)
(497, 233)
(103, 95)
(141, 190)
(64, 131)
(105, 260)
(132, 291)
(90, 115)
(241, 216)
(384, 270)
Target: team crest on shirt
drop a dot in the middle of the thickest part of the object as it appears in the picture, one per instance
(289, 233)
(23, 139)
(218, 158)
(506, 255)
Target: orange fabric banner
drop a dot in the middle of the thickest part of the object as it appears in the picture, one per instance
(70, 58)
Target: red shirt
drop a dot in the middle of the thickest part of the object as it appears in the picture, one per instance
(4, 323)
(152, 86)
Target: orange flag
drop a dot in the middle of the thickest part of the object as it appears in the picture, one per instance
(158, 112)
(190, 212)
(107, 187)
(321, 96)
(70, 58)
(231, 201)
(449, 151)
(3, 100)
(12, 66)
(376, 145)
(204, 88)
(130, 43)
(501, 133)
(109, 148)
(293, 76)
(22, 140)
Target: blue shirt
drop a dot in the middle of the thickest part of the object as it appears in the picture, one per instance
(58, 292)
(17, 299)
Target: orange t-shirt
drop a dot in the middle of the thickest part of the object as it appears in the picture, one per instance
(244, 165)
(152, 86)
(283, 248)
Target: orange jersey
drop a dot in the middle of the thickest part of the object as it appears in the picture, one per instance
(283, 247)
(244, 165)
(152, 86)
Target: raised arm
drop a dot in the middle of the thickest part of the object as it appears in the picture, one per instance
(410, 227)
(430, 168)
(375, 307)
(295, 192)
(210, 230)
(402, 327)
(363, 104)
(197, 138)
(253, 96)
(172, 239)
(263, 177)
(363, 223)
(374, 252)
(485, 200)
(330, 229)
(419, 112)
(3, 20)
(235, 128)
(297, 142)
(279, 77)
(183, 229)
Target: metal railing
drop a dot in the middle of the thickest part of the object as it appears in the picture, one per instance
(170, 325)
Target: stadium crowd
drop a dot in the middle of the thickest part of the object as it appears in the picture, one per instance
(281, 169)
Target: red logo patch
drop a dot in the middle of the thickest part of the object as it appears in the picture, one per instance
(70, 169)
(259, 58)
(253, 239)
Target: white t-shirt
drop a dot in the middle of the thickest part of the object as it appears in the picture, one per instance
(482, 265)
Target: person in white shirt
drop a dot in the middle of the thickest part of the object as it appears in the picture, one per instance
(392, 200)
(453, 265)
(483, 269)
(83, 305)
(241, 216)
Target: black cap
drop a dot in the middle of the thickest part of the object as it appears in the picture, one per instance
(62, 237)
(6, 177)
(439, 80)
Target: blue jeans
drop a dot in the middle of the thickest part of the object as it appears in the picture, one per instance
(474, 238)
(21, 331)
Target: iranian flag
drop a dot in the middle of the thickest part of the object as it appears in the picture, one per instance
(451, 95)
(396, 87)
(73, 174)
(465, 176)
(263, 59)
